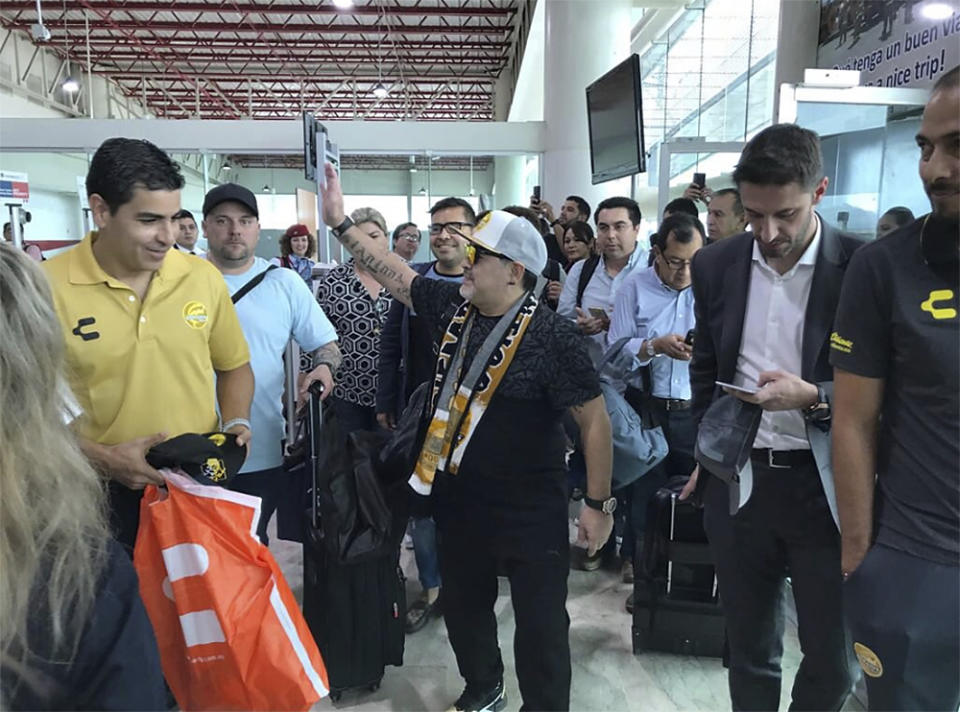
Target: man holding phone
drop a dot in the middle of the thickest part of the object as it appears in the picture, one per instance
(592, 284)
(654, 309)
(765, 303)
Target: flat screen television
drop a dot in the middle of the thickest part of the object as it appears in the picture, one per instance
(615, 120)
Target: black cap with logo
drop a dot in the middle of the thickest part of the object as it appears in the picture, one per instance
(211, 459)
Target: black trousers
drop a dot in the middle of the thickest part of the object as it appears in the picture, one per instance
(538, 590)
(904, 621)
(268, 486)
(785, 529)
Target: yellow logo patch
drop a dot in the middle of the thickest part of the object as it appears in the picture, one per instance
(195, 314)
(483, 221)
(872, 667)
(214, 469)
(838, 343)
(941, 312)
(217, 439)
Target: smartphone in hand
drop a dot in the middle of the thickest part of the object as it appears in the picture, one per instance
(743, 389)
(691, 335)
(700, 179)
(536, 194)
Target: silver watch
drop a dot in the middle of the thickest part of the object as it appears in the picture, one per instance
(649, 348)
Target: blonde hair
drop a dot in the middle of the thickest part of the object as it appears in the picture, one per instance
(52, 502)
(371, 215)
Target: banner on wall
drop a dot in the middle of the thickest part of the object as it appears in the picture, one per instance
(14, 185)
(892, 43)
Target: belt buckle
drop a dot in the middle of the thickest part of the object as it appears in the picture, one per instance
(772, 465)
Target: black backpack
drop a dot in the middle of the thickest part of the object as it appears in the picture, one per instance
(589, 267)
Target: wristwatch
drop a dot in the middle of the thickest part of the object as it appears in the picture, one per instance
(342, 227)
(649, 349)
(820, 409)
(603, 505)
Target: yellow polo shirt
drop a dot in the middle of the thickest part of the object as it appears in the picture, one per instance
(139, 368)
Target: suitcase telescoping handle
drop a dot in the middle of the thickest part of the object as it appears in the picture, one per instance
(316, 422)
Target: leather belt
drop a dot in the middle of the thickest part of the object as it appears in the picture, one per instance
(673, 403)
(781, 459)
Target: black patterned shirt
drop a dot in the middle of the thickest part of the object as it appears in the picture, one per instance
(358, 320)
(511, 484)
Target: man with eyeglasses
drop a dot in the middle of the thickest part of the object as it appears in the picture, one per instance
(507, 372)
(406, 240)
(592, 284)
(654, 309)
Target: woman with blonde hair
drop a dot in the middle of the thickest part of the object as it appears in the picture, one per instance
(357, 306)
(296, 246)
(73, 631)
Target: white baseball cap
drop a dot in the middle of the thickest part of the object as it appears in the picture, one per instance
(513, 237)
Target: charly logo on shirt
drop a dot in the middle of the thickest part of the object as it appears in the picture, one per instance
(937, 304)
(838, 343)
(195, 314)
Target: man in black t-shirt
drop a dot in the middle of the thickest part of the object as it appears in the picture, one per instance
(896, 437)
(508, 369)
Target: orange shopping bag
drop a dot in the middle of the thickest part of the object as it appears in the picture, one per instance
(230, 633)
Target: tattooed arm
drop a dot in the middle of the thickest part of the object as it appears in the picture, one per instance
(326, 360)
(388, 268)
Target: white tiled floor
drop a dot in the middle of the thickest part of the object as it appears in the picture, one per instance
(606, 675)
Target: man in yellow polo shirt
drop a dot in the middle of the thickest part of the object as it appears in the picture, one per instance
(153, 340)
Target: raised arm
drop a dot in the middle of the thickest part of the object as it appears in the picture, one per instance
(388, 268)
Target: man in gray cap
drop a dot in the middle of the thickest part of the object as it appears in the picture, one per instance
(493, 456)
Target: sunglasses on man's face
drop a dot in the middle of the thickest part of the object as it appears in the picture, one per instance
(475, 252)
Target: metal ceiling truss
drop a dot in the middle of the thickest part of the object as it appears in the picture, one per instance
(376, 162)
(440, 59)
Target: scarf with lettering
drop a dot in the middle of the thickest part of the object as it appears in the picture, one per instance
(458, 405)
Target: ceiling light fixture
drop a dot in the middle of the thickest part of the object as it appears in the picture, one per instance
(343, 4)
(936, 10)
(225, 167)
(70, 85)
(379, 90)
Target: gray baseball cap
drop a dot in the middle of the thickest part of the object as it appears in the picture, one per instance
(513, 237)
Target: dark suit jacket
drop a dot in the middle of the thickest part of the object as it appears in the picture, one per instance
(394, 354)
(721, 281)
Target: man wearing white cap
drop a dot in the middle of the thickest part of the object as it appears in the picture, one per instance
(493, 456)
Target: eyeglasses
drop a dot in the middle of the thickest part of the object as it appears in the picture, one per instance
(411, 236)
(453, 228)
(475, 252)
(675, 263)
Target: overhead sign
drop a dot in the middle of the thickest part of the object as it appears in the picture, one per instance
(891, 44)
(14, 185)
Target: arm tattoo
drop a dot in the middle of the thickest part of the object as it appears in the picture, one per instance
(329, 355)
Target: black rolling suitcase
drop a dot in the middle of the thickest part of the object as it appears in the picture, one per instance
(676, 608)
(354, 603)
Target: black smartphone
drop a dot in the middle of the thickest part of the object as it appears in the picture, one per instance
(699, 179)
(691, 335)
(536, 194)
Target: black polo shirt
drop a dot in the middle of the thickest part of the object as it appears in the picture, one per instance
(898, 320)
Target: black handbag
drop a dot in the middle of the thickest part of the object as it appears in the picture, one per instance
(398, 458)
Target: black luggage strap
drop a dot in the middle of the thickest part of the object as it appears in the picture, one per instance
(242, 292)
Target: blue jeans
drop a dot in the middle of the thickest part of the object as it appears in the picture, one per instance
(424, 534)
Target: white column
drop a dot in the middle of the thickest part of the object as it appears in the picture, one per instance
(584, 40)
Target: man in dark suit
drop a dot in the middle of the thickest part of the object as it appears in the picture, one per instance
(765, 302)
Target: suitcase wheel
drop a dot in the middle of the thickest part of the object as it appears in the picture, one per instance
(374, 686)
(335, 695)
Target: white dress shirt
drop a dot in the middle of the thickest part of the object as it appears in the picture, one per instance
(773, 338)
(599, 294)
